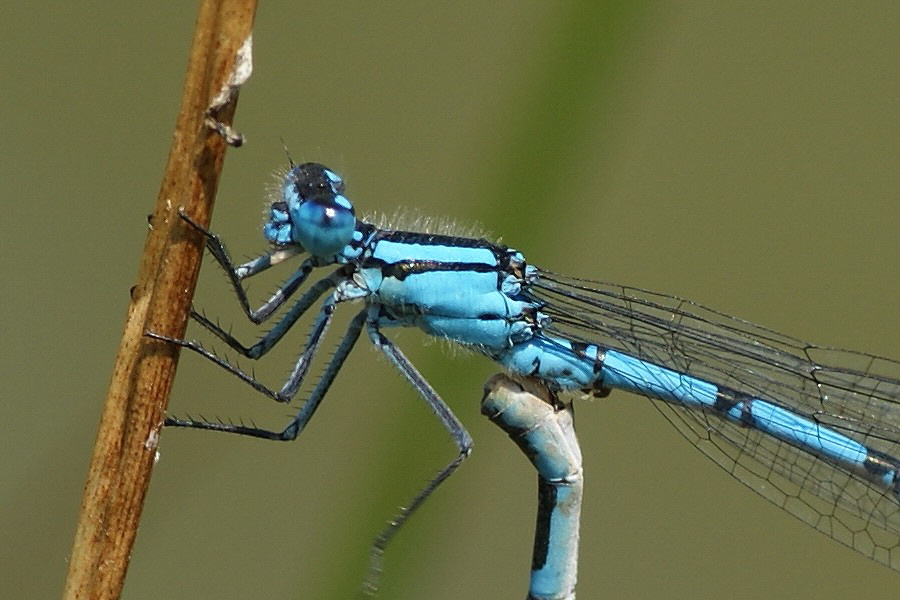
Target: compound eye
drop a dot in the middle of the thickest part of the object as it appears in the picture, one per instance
(323, 226)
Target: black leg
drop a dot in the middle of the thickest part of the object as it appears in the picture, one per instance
(458, 432)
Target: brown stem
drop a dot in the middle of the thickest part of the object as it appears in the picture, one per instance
(160, 300)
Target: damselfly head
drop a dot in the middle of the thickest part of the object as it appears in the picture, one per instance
(312, 212)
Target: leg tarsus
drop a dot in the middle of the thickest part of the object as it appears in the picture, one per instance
(460, 436)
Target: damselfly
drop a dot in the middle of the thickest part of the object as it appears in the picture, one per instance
(813, 429)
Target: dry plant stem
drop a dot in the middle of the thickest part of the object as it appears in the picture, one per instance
(142, 378)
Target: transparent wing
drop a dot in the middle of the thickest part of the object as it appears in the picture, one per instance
(855, 393)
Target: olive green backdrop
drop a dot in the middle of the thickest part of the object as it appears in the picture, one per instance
(745, 156)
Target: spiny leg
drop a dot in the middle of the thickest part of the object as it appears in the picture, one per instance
(298, 423)
(236, 274)
(294, 380)
(274, 335)
(460, 436)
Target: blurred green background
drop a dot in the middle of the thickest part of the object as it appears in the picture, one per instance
(744, 155)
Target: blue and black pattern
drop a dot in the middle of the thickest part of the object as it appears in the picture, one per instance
(813, 429)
